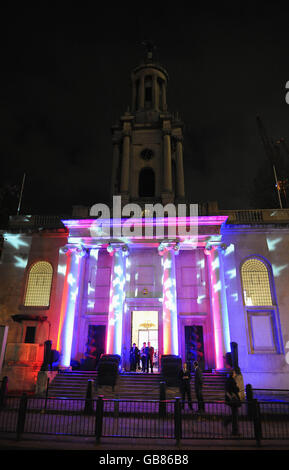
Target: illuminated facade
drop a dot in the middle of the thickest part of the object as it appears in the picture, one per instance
(94, 285)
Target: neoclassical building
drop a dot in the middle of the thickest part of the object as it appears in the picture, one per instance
(190, 283)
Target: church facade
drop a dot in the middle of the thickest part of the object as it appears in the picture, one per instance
(190, 283)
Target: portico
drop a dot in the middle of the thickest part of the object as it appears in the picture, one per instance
(180, 279)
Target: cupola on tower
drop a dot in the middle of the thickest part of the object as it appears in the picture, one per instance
(148, 141)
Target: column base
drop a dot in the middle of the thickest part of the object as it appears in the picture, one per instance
(220, 371)
(180, 200)
(124, 198)
(167, 197)
(64, 368)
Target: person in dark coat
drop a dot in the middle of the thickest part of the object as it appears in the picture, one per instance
(199, 387)
(232, 399)
(147, 354)
(151, 357)
(144, 357)
(185, 385)
(133, 357)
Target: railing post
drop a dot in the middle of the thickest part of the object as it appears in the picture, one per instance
(249, 399)
(3, 392)
(21, 416)
(178, 420)
(98, 418)
(257, 421)
(46, 394)
(234, 352)
(47, 354)
(116, 409)
(88, 408)
(162, 402)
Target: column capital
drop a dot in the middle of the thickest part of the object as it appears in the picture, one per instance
(75, 249)
(211, 247)
(166, 132)
(168, 245)
(178, 138)
(117, 247)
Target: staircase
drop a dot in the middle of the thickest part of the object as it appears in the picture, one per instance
(72, 384)
(131, 386)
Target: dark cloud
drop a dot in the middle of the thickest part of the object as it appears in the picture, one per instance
(65, 80)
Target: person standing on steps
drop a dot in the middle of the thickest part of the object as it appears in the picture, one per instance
(240, 383)
(147, 354)
(143, 355)
(199, 387)
(185, 385)
(232, 399)
(133, 357)
(151, 357)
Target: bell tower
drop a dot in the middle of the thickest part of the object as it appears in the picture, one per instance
(148, 141)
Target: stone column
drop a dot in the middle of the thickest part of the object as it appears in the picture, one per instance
(116, 298)
(69, 302)
(218, 305)
(170, 315)
(134, 104)
(180, 169)
(167, 161)
(164, 96)
(124, 188)
(115, 165)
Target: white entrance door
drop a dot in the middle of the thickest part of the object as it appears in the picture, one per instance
(145, 329)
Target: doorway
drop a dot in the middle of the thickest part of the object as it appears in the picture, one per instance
(144, 328)
(95, 345)
(194, 345)
(147, 182)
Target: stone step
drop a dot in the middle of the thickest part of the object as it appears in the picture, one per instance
(130, 385)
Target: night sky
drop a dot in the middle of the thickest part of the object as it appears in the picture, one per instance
(65, 79)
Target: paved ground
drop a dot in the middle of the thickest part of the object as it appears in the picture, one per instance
(37, 442)
(135, 454)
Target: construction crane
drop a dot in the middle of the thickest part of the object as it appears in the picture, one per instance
(284, 184)
(271, 156)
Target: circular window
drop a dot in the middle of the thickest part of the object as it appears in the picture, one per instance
(147, 154)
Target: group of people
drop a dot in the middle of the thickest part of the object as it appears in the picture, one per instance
(234, 392)
(234, 385)
(142, 359)
(185, 386)
(234, 395)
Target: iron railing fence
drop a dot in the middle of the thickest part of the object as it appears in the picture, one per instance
(147, 419)
(271, 394)
(9, 412)
(55, 416)
(216, 423)
(274, 417)
(139, 418)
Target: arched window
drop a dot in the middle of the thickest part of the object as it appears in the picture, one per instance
(148, 91)
(256, 283)
(147, 182)
(39, 285)
(262, 317)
